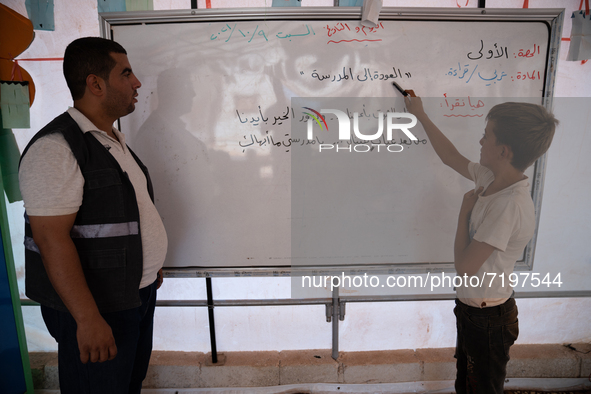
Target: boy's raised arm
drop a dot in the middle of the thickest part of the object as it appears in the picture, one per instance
(446, 151)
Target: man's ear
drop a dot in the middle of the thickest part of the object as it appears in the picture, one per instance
(95, 84)
(506, 152)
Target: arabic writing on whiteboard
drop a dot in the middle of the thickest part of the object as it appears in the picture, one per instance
(262, 141)
(527, 75)
(460, 103)
(491, 53)
(278, 138)
(468, 73)
(528, 54)
(472, 73)
(353, 33)
(263, 119)
(366, 75)
(497, 52)
(260, 119)
(303, 34)
(231, 32)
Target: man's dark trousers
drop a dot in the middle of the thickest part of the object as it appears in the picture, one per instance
(132, 330)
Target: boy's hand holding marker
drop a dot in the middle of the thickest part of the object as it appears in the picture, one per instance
(405, 93)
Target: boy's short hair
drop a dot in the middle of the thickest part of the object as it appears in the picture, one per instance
(526, 128)
(85, 56)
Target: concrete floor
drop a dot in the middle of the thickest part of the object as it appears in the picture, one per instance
(314, 371)
(438, 387)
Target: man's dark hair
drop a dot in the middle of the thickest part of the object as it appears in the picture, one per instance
(85, 56)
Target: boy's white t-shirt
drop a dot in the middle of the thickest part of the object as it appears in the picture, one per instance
(506, 221)
(52, 184)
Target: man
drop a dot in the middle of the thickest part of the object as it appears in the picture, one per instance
(94, 242)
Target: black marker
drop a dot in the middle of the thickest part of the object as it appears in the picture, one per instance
(400, 89)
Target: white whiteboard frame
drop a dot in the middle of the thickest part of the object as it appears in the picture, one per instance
(552, 17)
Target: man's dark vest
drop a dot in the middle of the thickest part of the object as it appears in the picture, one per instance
(106, 231)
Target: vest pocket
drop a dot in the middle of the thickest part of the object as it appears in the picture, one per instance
(103, 195)
(105, 275)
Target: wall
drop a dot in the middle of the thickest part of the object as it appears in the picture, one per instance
(564, 231)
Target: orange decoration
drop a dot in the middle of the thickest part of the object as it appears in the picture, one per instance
(16, 34)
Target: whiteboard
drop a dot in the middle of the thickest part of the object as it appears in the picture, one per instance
(221, 97)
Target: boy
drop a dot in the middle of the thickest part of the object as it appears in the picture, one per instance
(495, 223)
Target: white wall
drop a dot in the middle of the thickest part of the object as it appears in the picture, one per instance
(564, 231)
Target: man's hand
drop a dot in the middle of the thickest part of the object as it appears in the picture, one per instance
(95, 341)
(469, 201)
(159, 279)
(61, 261)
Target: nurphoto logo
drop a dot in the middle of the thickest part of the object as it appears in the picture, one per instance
(344, 130)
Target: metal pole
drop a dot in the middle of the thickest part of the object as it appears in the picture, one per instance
(249, 302)
(193, 4)
(214, 351)
(335, 322)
